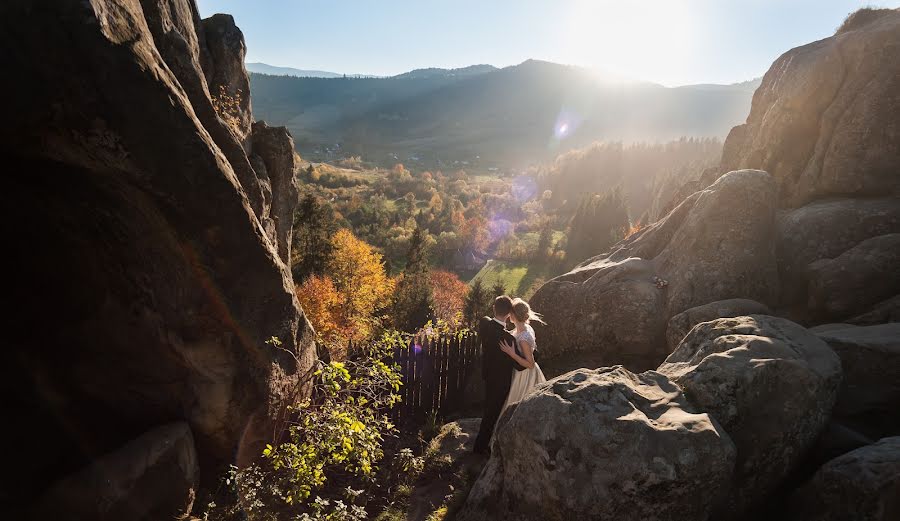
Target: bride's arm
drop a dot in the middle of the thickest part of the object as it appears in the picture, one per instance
(527, 350)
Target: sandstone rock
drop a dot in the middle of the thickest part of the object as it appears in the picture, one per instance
(716, 245)
(823, 328)
(856, 280)
(150, 478)
(825, 120)
(603, 444)
(770, 384)
(825, 230)
(223, 63)
(144, 286)
(680, 324)
(883, 312)
(862, 485)
(175, 25)
(275, 149)
(869, 396)
(620, 314)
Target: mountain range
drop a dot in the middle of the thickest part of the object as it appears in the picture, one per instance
(484, 117)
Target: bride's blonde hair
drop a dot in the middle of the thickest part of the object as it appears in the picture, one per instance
(523, 312)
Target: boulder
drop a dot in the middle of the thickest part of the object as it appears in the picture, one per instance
(881, 313)
(825, 120)
(716, 245)
(680, 324)
(618, 312)
(145, 287)
(869, 396)
(825, 230)
(603, 444)
(858, 279)
(152, 477)
(862, 485)
(771, 385)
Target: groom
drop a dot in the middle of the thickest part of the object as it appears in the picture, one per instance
(496, 369)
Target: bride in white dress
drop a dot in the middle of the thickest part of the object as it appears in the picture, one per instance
(522, 381)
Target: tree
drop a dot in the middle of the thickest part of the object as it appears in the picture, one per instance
(449, 296)
(344, 304)
(498, 289)
(321, 302)
(545, 241)
(476, 304)
(311, 240)
(413, 300)
(599, 222)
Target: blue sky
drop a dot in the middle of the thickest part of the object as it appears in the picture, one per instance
(673, 42)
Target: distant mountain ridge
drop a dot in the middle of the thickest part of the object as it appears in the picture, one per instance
(434, 72)
(485, 117)
(274, 70)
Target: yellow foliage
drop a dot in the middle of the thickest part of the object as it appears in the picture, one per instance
(343, 305)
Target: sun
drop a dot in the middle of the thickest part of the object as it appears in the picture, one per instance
(644, 39)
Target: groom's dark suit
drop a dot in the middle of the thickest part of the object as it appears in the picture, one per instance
(496, 369)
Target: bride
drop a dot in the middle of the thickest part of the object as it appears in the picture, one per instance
(522, 381)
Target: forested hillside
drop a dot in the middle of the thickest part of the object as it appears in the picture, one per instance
(504, 119)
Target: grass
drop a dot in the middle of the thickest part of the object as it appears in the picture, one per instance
(520, 279)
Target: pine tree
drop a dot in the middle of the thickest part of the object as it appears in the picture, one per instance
(498, 289)
(476, 303)
(599, 222)
(413, 301)
(311, 245)
(545, 241)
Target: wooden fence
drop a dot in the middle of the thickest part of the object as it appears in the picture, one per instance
(435, 373)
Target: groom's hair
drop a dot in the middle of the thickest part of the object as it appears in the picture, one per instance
(502, 305)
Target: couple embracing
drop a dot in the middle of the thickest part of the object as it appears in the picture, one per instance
(508, 365)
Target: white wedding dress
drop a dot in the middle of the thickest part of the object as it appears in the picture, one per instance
(524, 381)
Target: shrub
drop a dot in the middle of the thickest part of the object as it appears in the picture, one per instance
(228, 108)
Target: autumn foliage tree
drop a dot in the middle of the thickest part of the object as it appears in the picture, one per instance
(345, 302)
(449, 296)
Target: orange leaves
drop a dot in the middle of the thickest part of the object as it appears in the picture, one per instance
(344, 303)
(449, 296)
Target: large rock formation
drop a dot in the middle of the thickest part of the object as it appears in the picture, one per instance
(770, 384)
(681, 324)
(826, 119)
(145, 283)
(824, 125)
(152, 477)
(859, 278)
(603, 444)
(869, 397)
(825, 230)
(717, 244)
(862, 485)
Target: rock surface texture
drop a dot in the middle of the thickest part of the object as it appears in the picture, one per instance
(862, 485)
(869, 396)
(681, 324)
(146, 281)
(824, 122)
(718, 244)
(152, 477)
(771, 385)
(603, 444)
(825, 126)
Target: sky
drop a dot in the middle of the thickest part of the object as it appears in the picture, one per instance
(671, 42)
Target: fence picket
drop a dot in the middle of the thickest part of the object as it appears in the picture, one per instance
(434, 377)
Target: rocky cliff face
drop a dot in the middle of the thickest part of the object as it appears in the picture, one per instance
(813, 243)
(148, 239)
(813, 236)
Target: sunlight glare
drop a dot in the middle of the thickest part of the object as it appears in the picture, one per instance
(644, 40)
